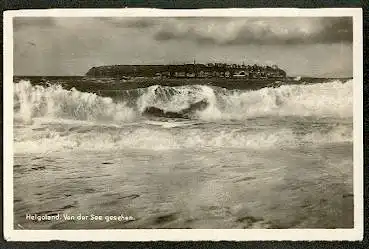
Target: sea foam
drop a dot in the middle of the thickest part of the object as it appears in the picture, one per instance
(331, 99)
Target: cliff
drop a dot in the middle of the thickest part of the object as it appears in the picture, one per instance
(216, 70)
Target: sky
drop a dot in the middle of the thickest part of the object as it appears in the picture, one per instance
(302, 46)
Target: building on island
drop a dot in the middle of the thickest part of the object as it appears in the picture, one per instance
(210, 70)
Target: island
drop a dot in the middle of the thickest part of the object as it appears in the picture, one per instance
(111, 80)
(210, 70)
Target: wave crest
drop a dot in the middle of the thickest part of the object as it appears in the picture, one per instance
(332, 99)
(56, 102)
(49, 140)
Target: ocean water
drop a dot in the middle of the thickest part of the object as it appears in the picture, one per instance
(264, 158)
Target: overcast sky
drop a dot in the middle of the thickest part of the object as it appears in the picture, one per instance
(306, 46)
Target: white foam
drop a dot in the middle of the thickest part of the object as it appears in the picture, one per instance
(170, 98)
(333, 99)
(56, 102)
(47, 113)
(169, 124)
(90, 138)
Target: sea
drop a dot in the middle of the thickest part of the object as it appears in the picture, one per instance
(260, 155)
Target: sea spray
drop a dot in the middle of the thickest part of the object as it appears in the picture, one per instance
(331, 99)
(158, 138)
(56, 102)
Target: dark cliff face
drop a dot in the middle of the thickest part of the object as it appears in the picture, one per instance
(187, 71)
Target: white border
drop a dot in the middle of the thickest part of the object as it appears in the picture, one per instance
(184, 234)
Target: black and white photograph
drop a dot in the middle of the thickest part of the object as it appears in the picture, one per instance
(183, 123)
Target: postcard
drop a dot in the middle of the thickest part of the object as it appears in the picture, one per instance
(209, 124)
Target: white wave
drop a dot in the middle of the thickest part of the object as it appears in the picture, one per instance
(170, 124)
(171, 98)
(90, 138)
(340, 133)
(56, 102)
(329, 99)
(333, 99)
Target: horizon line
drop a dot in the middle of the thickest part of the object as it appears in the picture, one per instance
(288, 76)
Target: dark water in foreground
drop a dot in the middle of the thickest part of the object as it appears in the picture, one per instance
(263, 158)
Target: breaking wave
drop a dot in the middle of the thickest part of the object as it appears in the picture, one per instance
(331, 99)
(55, 119)
(56, 102)
(101, 139)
